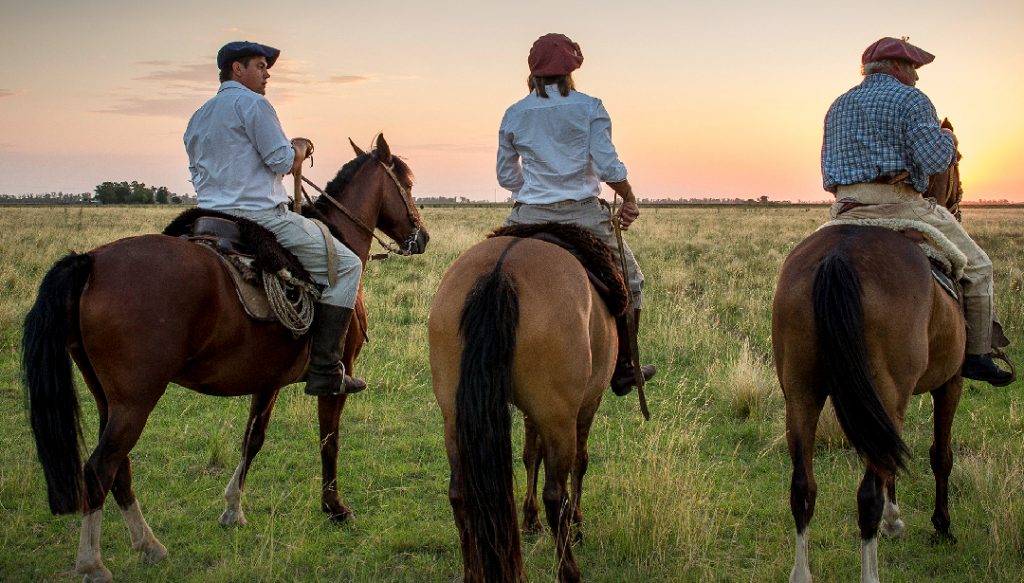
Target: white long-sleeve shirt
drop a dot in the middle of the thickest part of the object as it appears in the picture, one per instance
(556, 148)
(237, 151)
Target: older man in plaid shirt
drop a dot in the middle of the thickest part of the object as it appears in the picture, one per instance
(882, 143)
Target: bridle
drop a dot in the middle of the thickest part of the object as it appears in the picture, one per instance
(390, 247)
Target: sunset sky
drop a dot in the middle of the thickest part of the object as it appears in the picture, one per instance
(707, 99)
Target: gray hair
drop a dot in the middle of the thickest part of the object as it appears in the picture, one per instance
(884, 65)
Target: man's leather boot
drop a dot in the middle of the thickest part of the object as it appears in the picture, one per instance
(981, 367)
(624, 377)
(326, 372)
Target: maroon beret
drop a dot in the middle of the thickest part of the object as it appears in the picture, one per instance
(894, 48)
(554, 54)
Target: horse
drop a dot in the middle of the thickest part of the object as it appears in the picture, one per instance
(858, 317)
(142, 312)
(516, 322)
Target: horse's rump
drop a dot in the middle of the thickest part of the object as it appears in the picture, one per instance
(596, 257)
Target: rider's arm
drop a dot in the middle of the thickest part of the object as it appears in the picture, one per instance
(629, 210)
(509, 167)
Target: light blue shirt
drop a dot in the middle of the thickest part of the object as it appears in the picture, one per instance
(237, 151)
(556, 148)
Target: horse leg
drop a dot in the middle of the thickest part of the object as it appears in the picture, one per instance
(330, 408)
(559, 457)
(122, 431)
(532, 456)
(870, 505)
(891, 523)
(141, 535)
(946, 398)
(471, 568)
(579, 468)
(139, 532)
(801, 425)
(260, 408)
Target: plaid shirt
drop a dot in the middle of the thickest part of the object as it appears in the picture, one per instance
(879, 129)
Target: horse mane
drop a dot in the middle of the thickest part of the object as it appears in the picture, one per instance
(341, 181)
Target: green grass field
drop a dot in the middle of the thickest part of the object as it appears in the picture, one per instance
(699, 493)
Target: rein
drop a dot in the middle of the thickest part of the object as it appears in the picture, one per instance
(390, 247)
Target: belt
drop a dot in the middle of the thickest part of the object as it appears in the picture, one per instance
(554, 204)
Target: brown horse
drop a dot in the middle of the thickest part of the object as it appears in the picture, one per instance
(516, 322)
(859, 318)
(142, 312)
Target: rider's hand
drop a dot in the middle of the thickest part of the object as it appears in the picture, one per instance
(303, 149)
(627, 213)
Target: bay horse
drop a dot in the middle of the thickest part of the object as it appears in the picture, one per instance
(142, 312)
(516, 322)
(859, 318)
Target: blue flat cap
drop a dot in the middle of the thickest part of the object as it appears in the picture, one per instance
(240, 49)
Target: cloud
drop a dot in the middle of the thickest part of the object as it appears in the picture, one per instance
(450, 147)
(205, 74)
(5, 93)
(180, 107)
(347, 79)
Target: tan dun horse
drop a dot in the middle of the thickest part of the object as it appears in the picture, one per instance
(516, 322)
(142, 312)
(858, 318)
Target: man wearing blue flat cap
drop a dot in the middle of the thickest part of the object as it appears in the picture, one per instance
(238, 155)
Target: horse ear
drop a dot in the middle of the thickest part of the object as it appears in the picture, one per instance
(383, 150)
(356, 148)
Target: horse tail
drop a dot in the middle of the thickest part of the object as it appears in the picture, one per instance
(49, 384)
(483, 420)
(839, 323)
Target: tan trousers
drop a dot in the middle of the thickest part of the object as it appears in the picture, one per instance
(303, 238)
(588, 214)
(900, 201)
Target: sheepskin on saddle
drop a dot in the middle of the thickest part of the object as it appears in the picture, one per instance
(947, 260)
(595, 257)
(249, 254)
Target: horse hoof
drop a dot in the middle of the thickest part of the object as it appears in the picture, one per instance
(156, 553)
(943, 538)
(342, 517)
(232, 518)
(892, 528)
(100, 575)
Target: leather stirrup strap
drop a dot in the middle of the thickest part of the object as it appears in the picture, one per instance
(332, 253)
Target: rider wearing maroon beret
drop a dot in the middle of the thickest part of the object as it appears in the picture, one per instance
(882, 143)
(554, 151)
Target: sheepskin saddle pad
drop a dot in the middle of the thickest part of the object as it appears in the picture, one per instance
(595, 257)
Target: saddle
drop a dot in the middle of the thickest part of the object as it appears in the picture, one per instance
(595, 257)
(255, 260)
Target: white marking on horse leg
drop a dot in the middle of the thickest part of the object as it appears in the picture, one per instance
(891, 523)
(801, 572)
(233, 514)
(88, 562)
(869, 561)
(141, 535)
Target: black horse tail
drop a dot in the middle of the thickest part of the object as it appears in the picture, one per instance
(49, 384)
(483, 422)
(839, 323)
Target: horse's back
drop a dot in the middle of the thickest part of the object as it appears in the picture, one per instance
(564, 336)
(904, 312)
(159, 307)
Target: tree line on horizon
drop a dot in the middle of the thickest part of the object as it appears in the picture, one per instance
(133, 192)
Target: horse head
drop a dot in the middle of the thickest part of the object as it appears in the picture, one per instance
(374, 191)
(945, 187)
(399, 218)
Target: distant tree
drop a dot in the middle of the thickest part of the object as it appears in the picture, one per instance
(131, 193)
(175, 199)
(161, 195)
